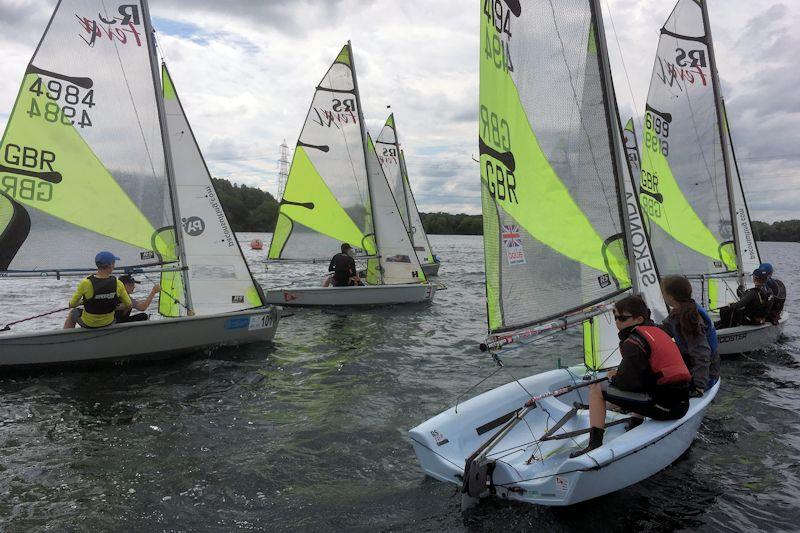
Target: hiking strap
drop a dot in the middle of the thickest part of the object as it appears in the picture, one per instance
(578, 432)
(564, 419)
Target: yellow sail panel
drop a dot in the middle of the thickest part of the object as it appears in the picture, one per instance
(48, 166)
(307, 200)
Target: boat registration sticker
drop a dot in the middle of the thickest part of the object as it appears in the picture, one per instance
(259, 322)
(512, 242)
(562, 483)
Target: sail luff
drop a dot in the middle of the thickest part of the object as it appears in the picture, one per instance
(615, 137)
(168, 163)
(715, 85)
(413, 204)
(366, 155)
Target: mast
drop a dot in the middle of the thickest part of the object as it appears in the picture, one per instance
(366, 154)
(173, 196)
(615, 134)
(403, 178)
(712, 62)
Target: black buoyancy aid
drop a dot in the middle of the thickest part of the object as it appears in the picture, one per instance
(666, 361)
(779, 295)
(105, 299)
(762, 304)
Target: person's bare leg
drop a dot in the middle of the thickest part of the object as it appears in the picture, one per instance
(597, 407)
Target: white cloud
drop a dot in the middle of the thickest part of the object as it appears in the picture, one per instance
(246, 72)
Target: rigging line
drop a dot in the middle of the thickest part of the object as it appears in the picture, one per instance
(458, 399)
(624, 67)
(611, 210)
(133, 105)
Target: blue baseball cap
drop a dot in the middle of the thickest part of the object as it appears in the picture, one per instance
(105, 259)
(760, 273)
(766, 267)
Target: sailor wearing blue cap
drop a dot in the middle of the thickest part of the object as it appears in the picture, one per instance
(778, 290)
(101, 294)
(753, 308)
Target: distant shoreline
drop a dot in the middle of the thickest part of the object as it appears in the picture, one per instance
(250, 209)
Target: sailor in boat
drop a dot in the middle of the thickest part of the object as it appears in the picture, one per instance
(101, 294)
(652, 380)
(753, 308)
(344, 269)
(124, 314)
(778, 293)
(694, 333)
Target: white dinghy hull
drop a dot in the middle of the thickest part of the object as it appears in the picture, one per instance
(443, 443)
(368, 295)
(742, 339)
(152, 339)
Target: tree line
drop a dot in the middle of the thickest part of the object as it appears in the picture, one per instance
(251, 209)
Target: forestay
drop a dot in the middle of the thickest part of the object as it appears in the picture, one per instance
(326, 199)
(551, 166)
(82, 164)
(218, 276)
(392, 161)
(683, 185)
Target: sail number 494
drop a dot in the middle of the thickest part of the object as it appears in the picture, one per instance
(496, 43)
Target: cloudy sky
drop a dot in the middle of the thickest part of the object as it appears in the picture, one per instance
(246, 71)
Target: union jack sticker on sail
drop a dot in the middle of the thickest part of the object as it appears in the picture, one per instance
(512, 242)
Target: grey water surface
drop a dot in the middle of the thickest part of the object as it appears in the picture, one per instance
(310, 433)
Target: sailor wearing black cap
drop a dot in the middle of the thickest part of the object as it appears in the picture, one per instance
(753, 308)
(124, 315)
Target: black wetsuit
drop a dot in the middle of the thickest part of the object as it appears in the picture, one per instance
(754, 308)
(635, 387)
(126, 316)
(343, 267)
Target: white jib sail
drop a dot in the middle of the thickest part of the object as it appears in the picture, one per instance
(398, 260)
(218, 276)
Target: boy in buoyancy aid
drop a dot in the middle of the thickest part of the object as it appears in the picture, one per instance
(652, 379)
(694, 333)
(101, 294)
(753, 308)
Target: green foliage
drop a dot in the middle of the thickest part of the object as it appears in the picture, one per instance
(447, 224)
(783, 231)
(247, 208)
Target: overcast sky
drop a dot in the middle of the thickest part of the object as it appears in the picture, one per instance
(246, 72)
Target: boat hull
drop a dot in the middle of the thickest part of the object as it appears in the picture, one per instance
(431, 269)
(368, 295)
(742, 339)
(152, 339)
(443, 443)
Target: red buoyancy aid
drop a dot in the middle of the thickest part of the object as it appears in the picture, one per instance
(666, 360)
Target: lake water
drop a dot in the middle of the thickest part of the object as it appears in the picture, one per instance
(309, 433)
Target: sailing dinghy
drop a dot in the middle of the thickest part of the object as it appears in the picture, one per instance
(563, 239)
(690, 188)
(99, 155)
(393, 163)
(337, 192)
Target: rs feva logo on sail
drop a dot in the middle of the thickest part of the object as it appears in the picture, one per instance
(120, 28)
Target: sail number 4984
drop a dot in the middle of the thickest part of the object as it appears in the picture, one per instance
(67, 113)
(496, 43)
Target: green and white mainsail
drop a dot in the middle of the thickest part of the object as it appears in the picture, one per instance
(219, 277)
(82, 160)
(392, 159)
(336, 191)
(685, 183)
(558, 222)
